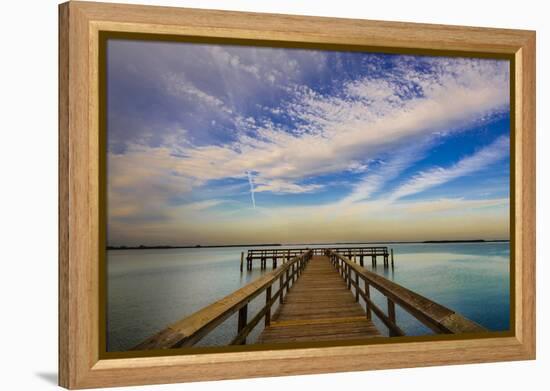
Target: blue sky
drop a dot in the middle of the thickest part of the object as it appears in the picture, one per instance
(226, 144)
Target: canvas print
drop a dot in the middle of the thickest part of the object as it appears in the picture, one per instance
(280, 196)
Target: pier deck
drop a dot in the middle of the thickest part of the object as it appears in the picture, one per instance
(319, 307)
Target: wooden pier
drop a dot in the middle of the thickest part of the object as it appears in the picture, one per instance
(278, 255)
(317, 295)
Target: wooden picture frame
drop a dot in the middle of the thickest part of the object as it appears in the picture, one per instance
(81, 364)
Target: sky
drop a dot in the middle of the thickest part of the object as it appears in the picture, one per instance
(217, 144)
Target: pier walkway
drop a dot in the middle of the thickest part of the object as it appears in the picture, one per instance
(319, 307)
(318, 294)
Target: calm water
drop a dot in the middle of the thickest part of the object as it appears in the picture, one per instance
(149, 289)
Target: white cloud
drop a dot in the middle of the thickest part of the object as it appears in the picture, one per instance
(137, 190)
(370, 118)
(283, 187)
(177, 85)
(376, 178)
(480, 160)
(224, 57)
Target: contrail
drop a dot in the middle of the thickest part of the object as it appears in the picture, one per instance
(251, 183)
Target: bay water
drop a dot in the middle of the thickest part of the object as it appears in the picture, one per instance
(148, 289)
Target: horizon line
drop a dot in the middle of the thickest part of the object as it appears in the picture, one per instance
(162, 246)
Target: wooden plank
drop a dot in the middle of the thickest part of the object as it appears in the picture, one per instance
(315, 321)
(319, 308)
(362, 329)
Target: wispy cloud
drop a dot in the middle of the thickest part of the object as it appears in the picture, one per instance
(451, 204)
(286, 187)
(480, 160)
(376, 178)
(178, 86)
(201, 205)
(447, 218)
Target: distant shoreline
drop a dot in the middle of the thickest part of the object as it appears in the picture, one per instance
(167, 247)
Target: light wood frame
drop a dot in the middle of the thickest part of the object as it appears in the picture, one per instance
(80, 365)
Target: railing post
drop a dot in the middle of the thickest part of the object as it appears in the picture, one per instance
(243, 313)
(349, 276)
(287, 279)
(268, 306)
(356, 287)
(281, 289)
(367, 295)
(242, 260)
(391, 315)
(345, 268)
(345, 271)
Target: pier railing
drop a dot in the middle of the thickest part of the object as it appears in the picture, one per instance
(438, 318)
(360, 253)
(193, 328)
(282, 255)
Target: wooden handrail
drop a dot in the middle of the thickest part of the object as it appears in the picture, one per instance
(363, 250)
(193, 328)
(359, 248)
(283, 251)
(267, 253)
(433, 315)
